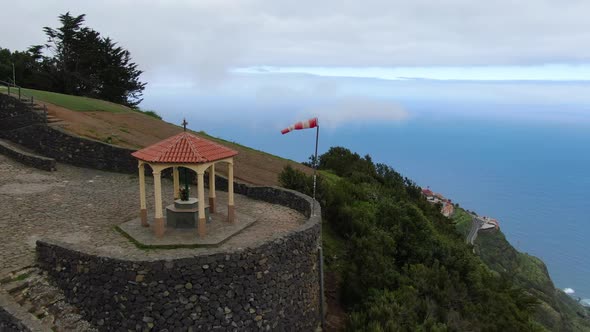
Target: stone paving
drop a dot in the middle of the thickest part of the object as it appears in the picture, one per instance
(78, 205)
(218, 231)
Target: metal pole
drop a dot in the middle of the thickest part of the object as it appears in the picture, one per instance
(320, 249)
(321, 259)
(13, 75)
(315, 168)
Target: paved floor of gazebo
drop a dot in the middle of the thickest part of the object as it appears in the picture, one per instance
(82, 206)
(218, 231)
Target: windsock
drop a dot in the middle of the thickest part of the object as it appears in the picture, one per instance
(311, 123)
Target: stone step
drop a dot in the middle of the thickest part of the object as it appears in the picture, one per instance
(18, 274)
(48, 321)
(16, 286)
(26, 156)
(36, 295)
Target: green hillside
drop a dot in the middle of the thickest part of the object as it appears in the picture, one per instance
(556, 310)
(74, 103)
(462, 221)
(402, 265)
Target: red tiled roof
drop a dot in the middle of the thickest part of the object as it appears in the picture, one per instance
(184, 148)
(427, 192)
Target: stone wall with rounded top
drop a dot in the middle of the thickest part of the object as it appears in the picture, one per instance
(271, 285)
(68, 148)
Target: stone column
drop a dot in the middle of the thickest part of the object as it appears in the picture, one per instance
(212, 189)
(159, 226)
(176, 182)
(201, 192)
(231, 213)
(143, 208)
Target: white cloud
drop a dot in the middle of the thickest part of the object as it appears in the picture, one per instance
(553, 72)
(202, 39)
(356, 110)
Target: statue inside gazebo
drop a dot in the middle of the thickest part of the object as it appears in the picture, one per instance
(184, 151)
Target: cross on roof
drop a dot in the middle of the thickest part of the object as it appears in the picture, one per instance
(184, 123)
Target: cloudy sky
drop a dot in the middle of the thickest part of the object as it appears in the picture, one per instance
(204, 40)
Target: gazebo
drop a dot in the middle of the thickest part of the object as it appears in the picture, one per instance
(191, 152)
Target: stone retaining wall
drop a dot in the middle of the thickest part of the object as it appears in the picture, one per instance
(10, 323)
(15, 114)
(271, 285)
(40, 162)
(18, 123)
(68, 148)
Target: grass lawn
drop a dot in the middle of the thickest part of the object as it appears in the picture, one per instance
(74, 103)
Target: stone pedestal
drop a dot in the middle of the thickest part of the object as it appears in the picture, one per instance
(184, 214)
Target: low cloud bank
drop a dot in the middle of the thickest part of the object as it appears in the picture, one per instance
(357, 110)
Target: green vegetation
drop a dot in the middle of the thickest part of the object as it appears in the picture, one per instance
(329, 177)
(76, 60)
(78, 103)
(403, 265)
(334, 249)
(557, 311)
(151, 113)
(74, 103)
(22, 277)
(462, 221)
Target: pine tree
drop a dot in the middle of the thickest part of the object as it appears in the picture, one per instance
(82, 62)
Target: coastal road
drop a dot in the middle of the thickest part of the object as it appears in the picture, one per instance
(476, 224)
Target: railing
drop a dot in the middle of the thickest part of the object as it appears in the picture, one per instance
(9, 85)
(21, 97)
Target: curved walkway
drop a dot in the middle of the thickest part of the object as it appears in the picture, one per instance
(476, 224)
(79, 205)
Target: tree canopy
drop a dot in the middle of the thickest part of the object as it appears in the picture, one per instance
(76, 60)
(402, 264)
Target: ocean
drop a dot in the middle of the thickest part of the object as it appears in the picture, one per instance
(515, 151)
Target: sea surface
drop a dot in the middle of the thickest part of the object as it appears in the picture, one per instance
(515, 151)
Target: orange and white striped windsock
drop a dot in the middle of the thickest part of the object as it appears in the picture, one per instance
(311, 123)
